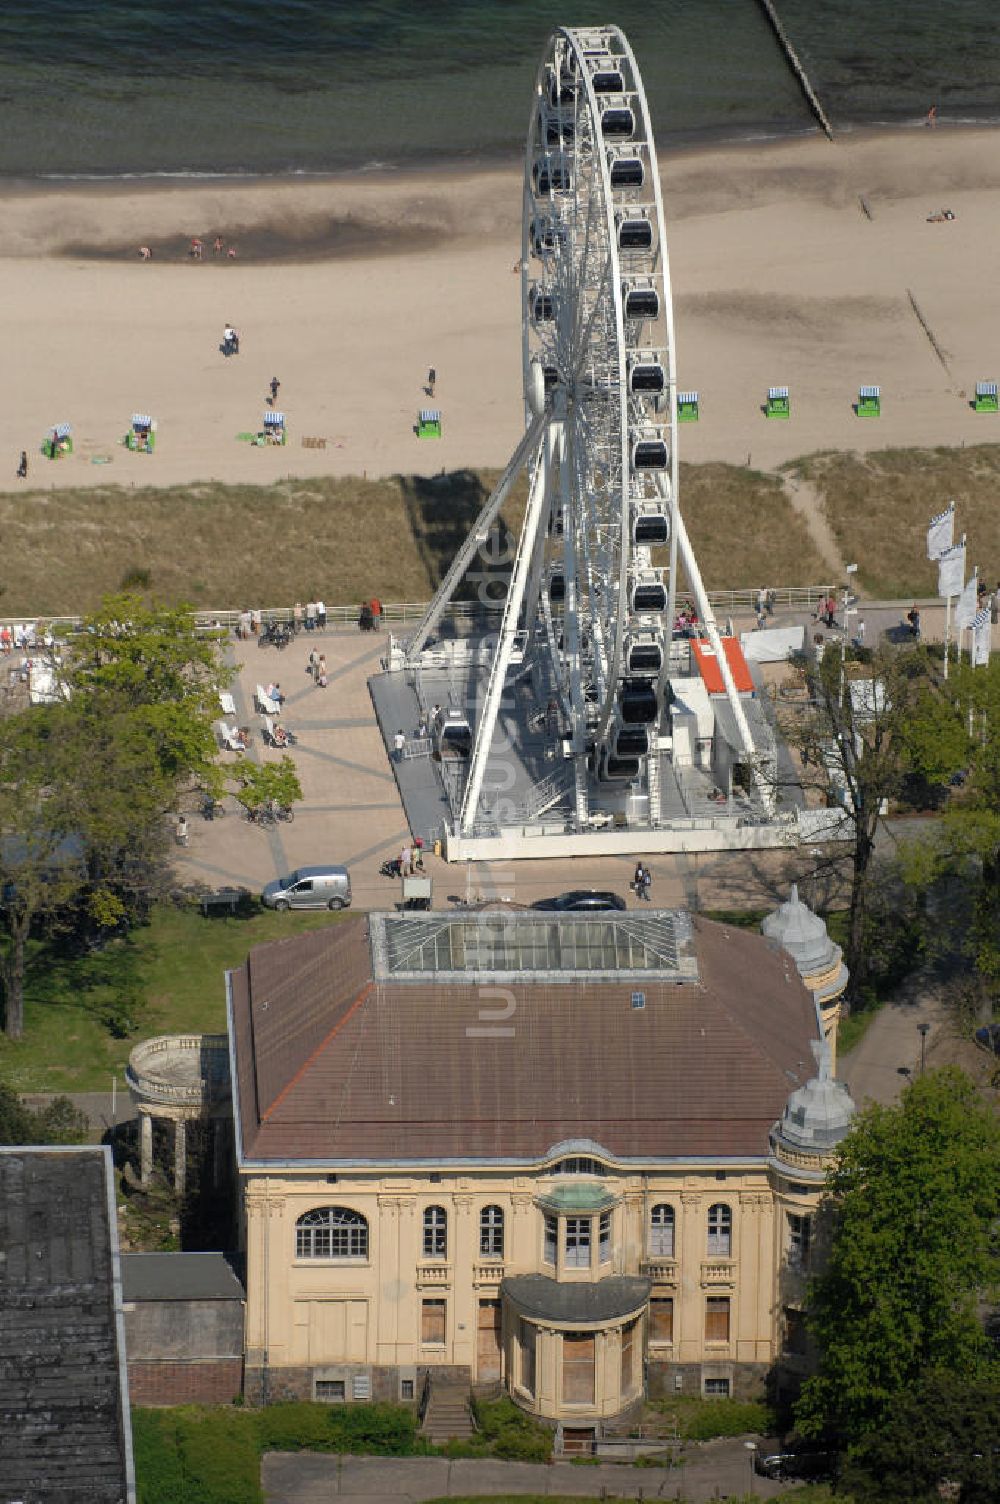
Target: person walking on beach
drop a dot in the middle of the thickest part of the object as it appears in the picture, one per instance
(931, 120)
(275, 384)
(22, 465)
(431, 381)
(218, 246)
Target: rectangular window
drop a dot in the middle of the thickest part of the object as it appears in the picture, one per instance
(717, 1388)
(331, 1391)
(577, 1242)
(628, 1359)
(604, 1238)
(717, 1318)
(551, 1236)
(432, 1322)
(406, 1389)
(661, 1319)
(799, 1238)
(578, 1368)
(361, 1386)
(528, 1339)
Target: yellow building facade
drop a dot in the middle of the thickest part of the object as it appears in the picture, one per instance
(579, 1276)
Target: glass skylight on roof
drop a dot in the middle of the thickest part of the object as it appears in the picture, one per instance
(553, 947)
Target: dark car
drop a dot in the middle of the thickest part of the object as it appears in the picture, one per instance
(580, 900)
(794, 1464)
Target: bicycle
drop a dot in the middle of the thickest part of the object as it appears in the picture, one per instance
(269, 813)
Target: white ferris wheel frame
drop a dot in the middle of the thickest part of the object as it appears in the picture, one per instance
(556, 432)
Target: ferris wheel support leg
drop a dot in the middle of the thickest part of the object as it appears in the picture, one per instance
(486, 721)
(764, 790)
(477, 536)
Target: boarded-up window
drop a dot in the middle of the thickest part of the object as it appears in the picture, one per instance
(528, 1340)
(661, 1319)
(578, 1368)
(432, 1321)
(717, 1318)
(628, 1359)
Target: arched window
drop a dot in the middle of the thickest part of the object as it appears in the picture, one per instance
(331, 1232)
(720, 1231)
(661, 1231)
(491, 1231)
(577, 1165)
(435, 1232)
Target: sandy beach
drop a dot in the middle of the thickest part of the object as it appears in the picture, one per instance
(348, 290)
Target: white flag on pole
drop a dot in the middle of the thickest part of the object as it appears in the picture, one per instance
(965, 607)
(941, 533)
(981, 635)
(951, 570)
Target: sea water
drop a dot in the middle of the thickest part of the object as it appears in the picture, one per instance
(189, 87)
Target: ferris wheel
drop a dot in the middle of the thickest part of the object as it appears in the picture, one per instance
(593, 585)
(598, 357)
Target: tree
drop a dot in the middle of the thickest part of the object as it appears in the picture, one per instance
(41, 859)
(945, 1428)
(914, 1196)
(874, 725)
(86, 783)
(58, 1123)
(264, 784)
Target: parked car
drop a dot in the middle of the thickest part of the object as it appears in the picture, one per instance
(581, 900)
(794, 1464)
(309, 888)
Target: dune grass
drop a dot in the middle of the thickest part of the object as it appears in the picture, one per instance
(344, 539)
(879, 505)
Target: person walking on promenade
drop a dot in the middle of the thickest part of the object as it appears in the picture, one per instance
(310, 616)
(321, 616)
(399, 744)
(22, 467)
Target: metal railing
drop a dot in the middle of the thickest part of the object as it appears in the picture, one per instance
(462, 613)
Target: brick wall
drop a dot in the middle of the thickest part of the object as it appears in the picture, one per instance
(213, 1382)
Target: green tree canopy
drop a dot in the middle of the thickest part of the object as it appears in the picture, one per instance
(914, 1197)
(85, 783)
(877, 725)
(945, 1429)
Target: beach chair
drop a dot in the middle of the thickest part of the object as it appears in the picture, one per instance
(986, 397)
(778, 403)
(141, 437)
(58, 442)
(687, 407)
(870, 402)
(429, 423)
(274, 428)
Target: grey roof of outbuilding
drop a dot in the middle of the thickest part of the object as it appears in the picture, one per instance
(547, 1299)
(179, 1276)
(334, 1066)
(64, 1421)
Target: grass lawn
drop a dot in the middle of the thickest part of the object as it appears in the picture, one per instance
(168, 976)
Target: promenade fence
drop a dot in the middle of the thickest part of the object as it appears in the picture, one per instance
(459, 614)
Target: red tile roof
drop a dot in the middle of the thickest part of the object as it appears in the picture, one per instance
(332, 1065)
(711, 673)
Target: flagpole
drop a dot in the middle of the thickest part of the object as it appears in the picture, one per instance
(947, 631)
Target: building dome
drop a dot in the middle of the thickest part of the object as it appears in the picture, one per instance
(803, 934)
(818, 1115)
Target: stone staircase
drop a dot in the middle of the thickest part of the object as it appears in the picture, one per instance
(447, 1414)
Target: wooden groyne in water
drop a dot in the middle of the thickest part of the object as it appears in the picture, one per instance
(797, 68)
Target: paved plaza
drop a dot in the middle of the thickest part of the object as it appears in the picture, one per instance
(351, 812)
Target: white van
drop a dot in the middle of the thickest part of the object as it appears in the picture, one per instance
(309, 888)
